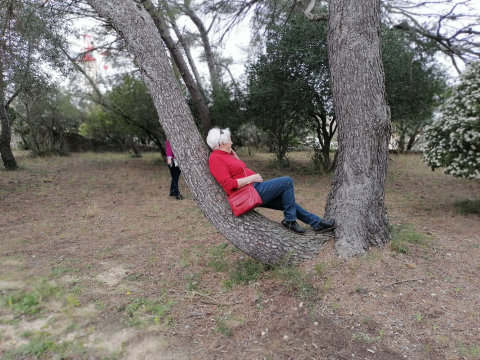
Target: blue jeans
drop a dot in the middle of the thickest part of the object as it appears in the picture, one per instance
(278, 194)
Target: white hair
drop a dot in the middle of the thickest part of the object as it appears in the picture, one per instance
(216, 136)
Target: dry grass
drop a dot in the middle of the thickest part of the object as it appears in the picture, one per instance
(136, 273)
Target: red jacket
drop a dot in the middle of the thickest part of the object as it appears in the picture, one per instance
(226, 169)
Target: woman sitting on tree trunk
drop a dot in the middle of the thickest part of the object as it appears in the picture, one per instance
(278, 194)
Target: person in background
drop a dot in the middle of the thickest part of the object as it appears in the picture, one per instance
(174, 172)
(278, 194)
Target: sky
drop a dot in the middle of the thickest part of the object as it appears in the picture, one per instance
(235, 45)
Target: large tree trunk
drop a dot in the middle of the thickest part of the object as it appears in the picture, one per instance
(252, 233)
(6, 131)
(177, 56)
(357, 198)
(6, 137)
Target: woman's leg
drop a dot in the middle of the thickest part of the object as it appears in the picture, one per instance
(175, 172)
(281, 187)
(302, 214)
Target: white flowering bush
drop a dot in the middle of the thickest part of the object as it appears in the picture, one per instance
(453, 141)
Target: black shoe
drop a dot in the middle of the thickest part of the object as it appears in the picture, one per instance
(171, 194)
(292, 225)
(179, 197)
(324, 225)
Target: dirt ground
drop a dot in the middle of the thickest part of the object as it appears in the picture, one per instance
(98, 262)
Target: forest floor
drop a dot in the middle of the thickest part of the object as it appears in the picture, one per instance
(98, 262)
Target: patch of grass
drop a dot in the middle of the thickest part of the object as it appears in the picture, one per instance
(472, 352)
(23, 303)
(320, 268)
(192, 281)
(366, 319)
(60, 270)
(367, 338)
(468, 207)
(99, 305)
(222, 327)
(133, 277)
(403, 236)
(218, 258)
(141, 309)
(296, 281)
(245, 272)
(30, 302)
(41, 344)
(71, 300)
(327, 285)
(27, 334)
(418, 317)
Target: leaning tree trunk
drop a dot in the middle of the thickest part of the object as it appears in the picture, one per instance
(252, 233)
(357, 198)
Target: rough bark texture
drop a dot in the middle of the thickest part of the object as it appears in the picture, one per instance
(177, 56)
(357, 198)
(252, 233)
(6, 131)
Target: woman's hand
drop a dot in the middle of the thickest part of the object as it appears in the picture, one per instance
(248, 180)
(169, 161)
(256, 178)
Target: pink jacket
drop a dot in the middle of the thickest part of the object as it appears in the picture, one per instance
(168, 150)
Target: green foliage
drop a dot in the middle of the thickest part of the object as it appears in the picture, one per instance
(44, 345)
(45, 115)
(226, 110)
(414, 83)
(405, 235)
(127, 115)
(31, 302)
(468, 207)
(453, 141)
(22, 303)
(288, 86)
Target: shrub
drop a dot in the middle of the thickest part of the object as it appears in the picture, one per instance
(453, 141)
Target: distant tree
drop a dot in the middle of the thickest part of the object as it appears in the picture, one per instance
(453, 141)
(126, 114)
(289, 87)
(414, 83)
(44, 115)
(29, 30)
(227, 107)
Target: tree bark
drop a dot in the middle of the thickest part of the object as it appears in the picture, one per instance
(177, 56)
(252, 233)
(357, 198)
(6, 134)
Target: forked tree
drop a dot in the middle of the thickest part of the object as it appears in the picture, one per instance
(357, 197)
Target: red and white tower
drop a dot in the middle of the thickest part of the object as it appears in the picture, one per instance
(89, 63)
